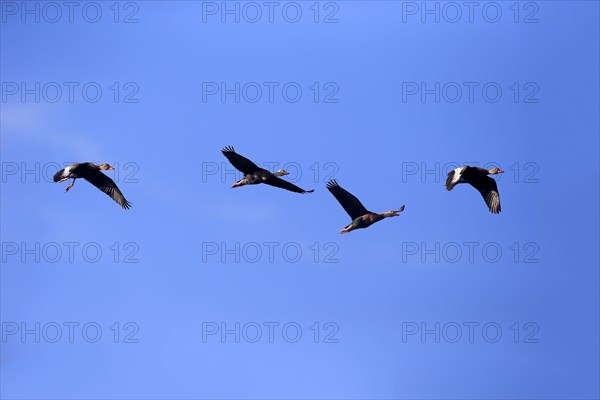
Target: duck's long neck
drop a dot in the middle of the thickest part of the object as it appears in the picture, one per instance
(392, 213)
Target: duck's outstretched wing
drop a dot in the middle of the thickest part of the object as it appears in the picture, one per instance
(489, 191)
(351, 204)
(107, 185)
(280, 183)
(240, 163)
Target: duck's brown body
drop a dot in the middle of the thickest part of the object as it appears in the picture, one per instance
(361, 217)
(371, 218)
(92, 173)
(364, 221)
(260, 176)
(75, 171)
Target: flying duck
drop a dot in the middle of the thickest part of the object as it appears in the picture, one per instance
(91, 173)
(361, 217)
(479, 179)
(254, 175)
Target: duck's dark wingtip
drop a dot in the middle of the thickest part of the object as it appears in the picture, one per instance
(228, 149)
(331, 183)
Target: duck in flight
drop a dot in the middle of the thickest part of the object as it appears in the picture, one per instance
(361, 217)
(479, 179)
(254, 175)
(91, 173)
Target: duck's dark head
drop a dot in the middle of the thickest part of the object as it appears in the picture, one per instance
(281, 172)
(105, 167)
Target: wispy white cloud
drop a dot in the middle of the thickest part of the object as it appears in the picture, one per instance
(26, 122)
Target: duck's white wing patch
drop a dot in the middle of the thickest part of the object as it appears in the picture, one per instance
(454, 177)
(62, 174)
(457, 172)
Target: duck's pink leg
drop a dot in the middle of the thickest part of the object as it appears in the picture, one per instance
(70, 186)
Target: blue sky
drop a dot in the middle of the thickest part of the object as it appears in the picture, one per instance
(446, 301)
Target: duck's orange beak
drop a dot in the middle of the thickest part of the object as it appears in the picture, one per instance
(500, 171)
(109, 168)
